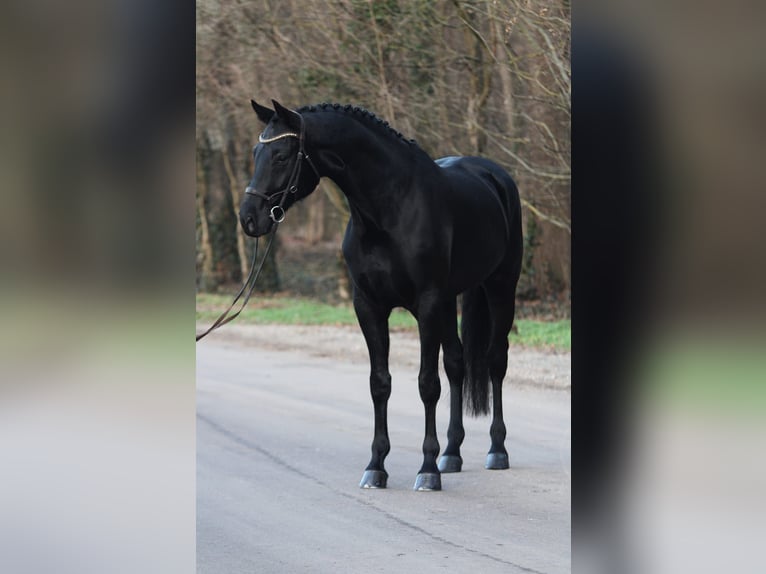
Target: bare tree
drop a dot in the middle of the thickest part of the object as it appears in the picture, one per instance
(486, 77)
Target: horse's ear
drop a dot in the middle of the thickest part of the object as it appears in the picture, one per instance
(292, 118)
(264, 114)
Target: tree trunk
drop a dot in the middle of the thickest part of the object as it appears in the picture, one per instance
(502, 55)
(235, 200)
(268, 281)
(344, 283)
(338, 201)
(205, 245)
(480, 79)
(316, 217)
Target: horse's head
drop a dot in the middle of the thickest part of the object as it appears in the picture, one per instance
(282, 173)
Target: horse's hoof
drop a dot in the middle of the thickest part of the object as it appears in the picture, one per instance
(497, 461)
(450, 463)
(428, 481)
(374, 479)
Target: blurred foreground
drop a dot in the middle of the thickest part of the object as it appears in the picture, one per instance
(668, 363)
(97, 251)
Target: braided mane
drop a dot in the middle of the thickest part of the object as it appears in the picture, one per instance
(359, 113)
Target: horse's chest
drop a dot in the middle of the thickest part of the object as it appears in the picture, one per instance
(379, 271)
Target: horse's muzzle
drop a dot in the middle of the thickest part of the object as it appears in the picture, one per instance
(249, 225)
(255, 226)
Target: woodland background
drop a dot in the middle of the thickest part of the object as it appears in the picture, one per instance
(485, 77)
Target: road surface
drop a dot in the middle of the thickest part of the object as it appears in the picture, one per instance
(283, 438)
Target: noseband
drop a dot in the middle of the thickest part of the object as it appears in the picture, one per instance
(277, 212)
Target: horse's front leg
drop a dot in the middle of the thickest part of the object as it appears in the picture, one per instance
(451, 461)
(374, 323)
(430, 327)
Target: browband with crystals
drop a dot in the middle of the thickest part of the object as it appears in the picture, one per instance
(275, 138)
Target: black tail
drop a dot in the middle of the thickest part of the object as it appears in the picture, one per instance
(474, 331)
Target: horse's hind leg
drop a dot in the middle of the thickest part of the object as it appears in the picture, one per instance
(451, 461)
(502, 308)
(374, 324)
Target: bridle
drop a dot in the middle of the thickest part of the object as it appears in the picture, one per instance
(277, 212)
(276, 216)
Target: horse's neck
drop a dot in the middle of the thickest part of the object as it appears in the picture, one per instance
(375, 176)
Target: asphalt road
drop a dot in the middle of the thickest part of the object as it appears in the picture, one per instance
(283, 439)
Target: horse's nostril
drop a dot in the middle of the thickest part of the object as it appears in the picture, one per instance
(250, 224)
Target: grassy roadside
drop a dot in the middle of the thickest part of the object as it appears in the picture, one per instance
(555, 335)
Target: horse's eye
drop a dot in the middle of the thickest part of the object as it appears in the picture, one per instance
(280, 158)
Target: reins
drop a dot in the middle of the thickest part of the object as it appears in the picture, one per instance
(279, 217)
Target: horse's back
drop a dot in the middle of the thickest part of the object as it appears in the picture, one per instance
(493, 176)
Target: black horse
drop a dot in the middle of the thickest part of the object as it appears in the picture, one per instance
(421, 233)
